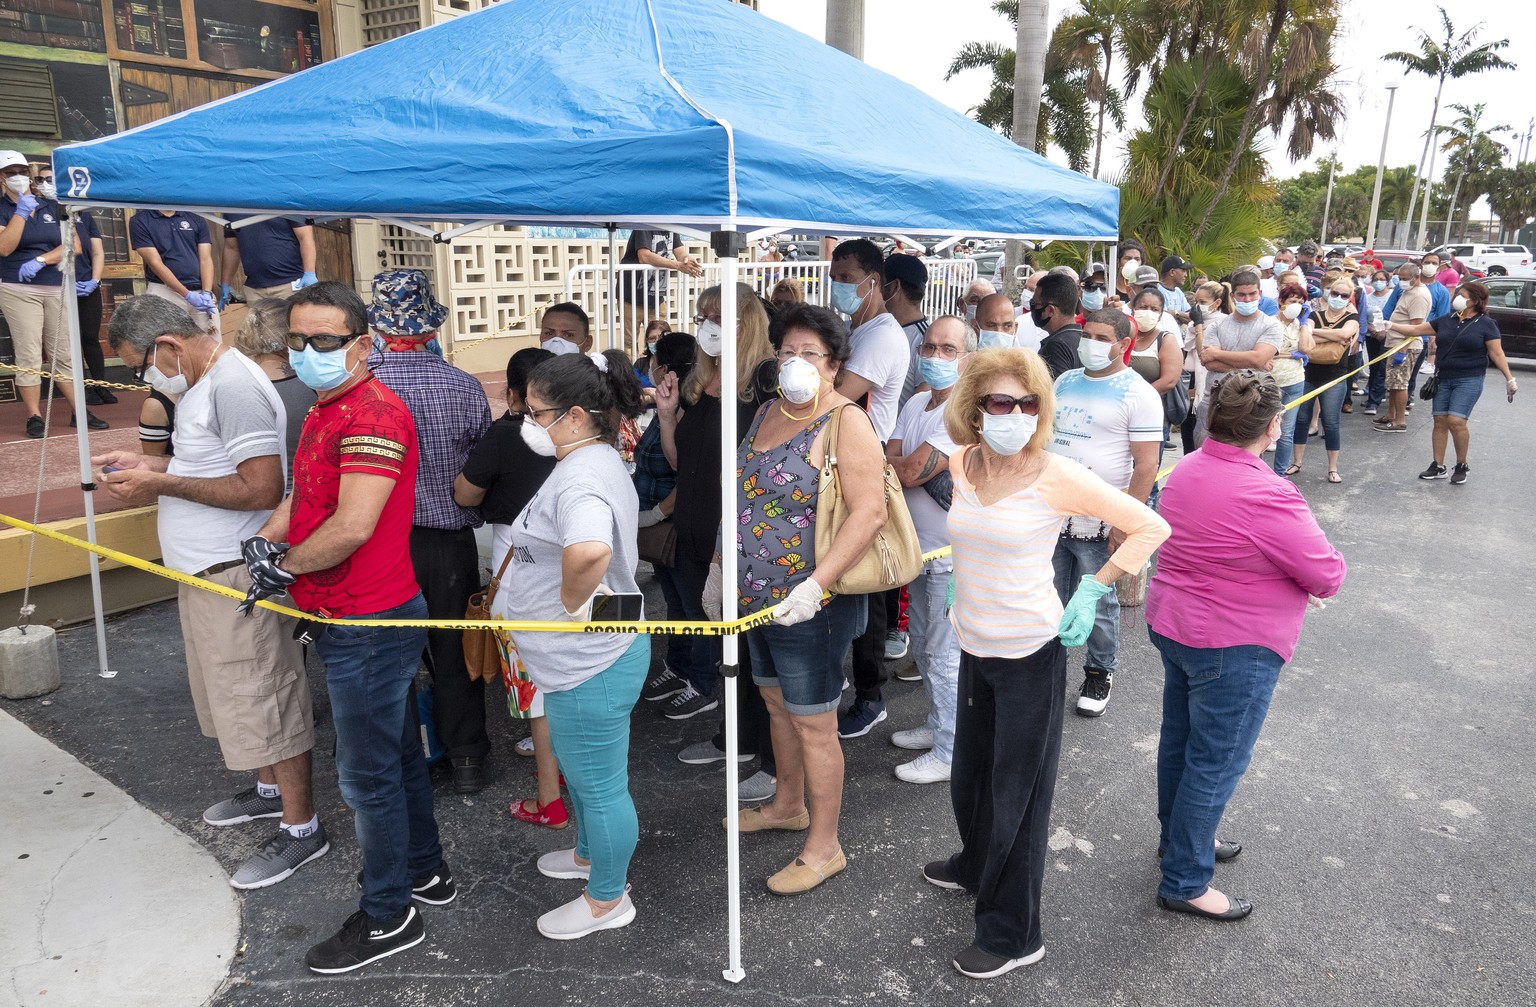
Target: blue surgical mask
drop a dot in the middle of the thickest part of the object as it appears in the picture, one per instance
(1246, 308)
(1335, 302)
(1093, 300)
(320, 371)
(845, 297)
(938, 373)
(991, 339)
(1378, 285)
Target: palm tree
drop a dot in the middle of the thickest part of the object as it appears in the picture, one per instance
(1511, 194)
(1089, 37)
(1452, 59)
(1472, 150)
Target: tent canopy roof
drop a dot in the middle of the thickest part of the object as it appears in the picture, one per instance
(691, 113)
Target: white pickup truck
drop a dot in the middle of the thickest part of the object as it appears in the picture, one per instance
(1495, 260)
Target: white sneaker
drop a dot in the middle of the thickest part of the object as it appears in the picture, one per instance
(926, 768)
(575, 919)
(562, 864)
(919, 739)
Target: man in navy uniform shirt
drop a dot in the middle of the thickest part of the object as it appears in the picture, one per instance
(178, 260)
(278, 255)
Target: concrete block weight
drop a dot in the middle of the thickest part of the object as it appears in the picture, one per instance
(29, 662)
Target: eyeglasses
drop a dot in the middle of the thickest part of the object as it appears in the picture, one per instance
(1093, 286)
(45, 178)
(149, 358)
(812, 357)
(323, 342)
(701, 319)
(930, 351)
(1002, 405)
(15, 169)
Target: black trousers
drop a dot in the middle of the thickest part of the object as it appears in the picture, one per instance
(90, 335)
(448, 572)
(869, 671)
(1003, 776)
(752, 716)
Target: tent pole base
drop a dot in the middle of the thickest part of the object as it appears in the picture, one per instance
(733, 975)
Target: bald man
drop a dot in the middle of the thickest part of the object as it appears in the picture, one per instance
(995, 324)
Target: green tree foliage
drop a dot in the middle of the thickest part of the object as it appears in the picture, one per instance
(1511, 195)
(1301, 201)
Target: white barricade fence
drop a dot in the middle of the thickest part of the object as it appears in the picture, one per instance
(640, 300)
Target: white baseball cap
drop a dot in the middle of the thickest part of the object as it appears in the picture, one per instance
(1266, 262)
(12, 158)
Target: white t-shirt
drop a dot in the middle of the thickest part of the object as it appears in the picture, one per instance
(1269, 287)
(1096, 421)
(918, 425)
(882, 354)
(231, 415)
(1026, 334)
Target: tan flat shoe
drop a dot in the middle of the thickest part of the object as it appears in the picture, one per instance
(800, 877)
(752, 820)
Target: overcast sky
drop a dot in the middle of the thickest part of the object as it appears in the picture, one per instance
(915, 40)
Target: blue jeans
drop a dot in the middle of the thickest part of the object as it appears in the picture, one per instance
(589, 731)
(1457, 396)
(1376, 384)
(679, 648)
(805, 661)
(379, 762)
(1288, 394)
(1332, 404)
(936, 650)
(1214, 702)
(1075, 558)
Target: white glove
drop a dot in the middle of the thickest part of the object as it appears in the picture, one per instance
(803, 603)
(1510, 388)
(654, 516)
(713, 599)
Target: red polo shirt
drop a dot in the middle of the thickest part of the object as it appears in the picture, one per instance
(364, 430)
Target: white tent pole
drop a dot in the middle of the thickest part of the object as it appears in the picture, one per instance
(71, 311)
(613, 278)
(727, 245)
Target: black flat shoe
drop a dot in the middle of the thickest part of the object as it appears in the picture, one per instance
(92, 421)
(1237, 908)
(107, 398)
(468, 775)
(1224, 850)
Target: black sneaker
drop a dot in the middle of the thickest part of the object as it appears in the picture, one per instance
(940, 875)
(434, 888)
(981, 964)
(92, 422)
(860, 718)
(363, 940)
(468, 775)
(1094, 695)
(1435, 471)
(35, 427)
(689, 703)
(663, 685)
(1459, 474)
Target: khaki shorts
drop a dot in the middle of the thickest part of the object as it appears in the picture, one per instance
(207, 323)
(37, 329)
(254, 294)
(1398, 375)
(247, 676)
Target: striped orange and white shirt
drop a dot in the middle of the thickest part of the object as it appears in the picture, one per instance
(1005, 594)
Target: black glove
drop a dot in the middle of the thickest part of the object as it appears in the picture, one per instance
(262, 559)
(255, 594)
(1196, 316)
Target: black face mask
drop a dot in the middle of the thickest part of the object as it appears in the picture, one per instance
(1037, 315)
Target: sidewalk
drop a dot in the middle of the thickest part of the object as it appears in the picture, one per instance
(106, 903)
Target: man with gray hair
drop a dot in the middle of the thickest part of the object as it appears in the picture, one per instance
(246, 673)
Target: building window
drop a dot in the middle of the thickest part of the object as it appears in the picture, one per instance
(29, 107)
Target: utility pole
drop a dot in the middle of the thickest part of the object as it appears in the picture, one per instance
(1328, 200)
(845, 26)
(1381, 167)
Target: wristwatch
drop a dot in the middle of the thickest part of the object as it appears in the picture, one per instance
(42, 261)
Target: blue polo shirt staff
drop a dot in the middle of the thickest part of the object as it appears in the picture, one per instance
(278, 256)
(178, 260)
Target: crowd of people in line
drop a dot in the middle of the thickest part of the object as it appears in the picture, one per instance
(330, 453)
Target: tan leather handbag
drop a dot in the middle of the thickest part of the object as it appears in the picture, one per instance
(894, 558)
(481, 657)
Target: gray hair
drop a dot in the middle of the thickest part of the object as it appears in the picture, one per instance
(265, 329)
(140, 320)
(969, 344)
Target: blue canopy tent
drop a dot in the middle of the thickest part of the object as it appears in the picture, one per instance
(695, 115)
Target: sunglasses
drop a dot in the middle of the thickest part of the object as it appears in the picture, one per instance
(324, 342)
(1002, 405)
(1093, 286)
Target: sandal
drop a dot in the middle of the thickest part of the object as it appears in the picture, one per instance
(800, 877)
(552, 815)
(1293, 470)
(1334, 477)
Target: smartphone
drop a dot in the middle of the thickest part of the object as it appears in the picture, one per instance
(618, 608)
(109, 468)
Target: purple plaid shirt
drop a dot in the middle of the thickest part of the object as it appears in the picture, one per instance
(451, 414)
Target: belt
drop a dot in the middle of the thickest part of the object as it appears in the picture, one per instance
(220, 568)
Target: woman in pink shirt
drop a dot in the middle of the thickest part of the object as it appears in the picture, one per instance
(1224, 609)
(1011, 496)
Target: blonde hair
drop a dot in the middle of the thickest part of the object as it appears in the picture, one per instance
(962, 414)
(265, 329)
(752, 345)
(791, 286)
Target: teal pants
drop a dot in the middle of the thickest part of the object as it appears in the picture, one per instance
(589, 730)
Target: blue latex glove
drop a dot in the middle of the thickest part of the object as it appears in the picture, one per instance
(26, 203)
(201, 300)
(1399, 358)
(308, 280)
(28, 270)
(1082, 608)
(1306, 313)
(85, 288)
(224, 295)
(1298, 355)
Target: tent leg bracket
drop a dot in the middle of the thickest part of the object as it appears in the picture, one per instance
(728, 243)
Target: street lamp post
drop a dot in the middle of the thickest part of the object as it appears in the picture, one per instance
(1381, 166)
(1328, 200)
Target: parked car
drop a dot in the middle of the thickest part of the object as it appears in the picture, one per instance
(1495, 260)
(1393, 258)
(1512, 303)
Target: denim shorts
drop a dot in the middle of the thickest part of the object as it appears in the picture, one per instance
(1457, 396)
(805, 661)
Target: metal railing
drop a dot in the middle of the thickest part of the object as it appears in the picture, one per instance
(635, 303)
